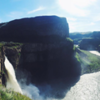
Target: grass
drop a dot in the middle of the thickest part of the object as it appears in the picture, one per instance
(8, 94)
(11, 45)
(1, 44)
(74, 47)
(77, 57)
(90, 63)
(69, 39)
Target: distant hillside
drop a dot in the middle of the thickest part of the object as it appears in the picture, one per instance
(89, 62)
(41, 28)
(78, 36)
(92, 43)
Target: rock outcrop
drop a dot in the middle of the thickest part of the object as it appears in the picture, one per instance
(2, 67)
(37, 29)
(12, 51)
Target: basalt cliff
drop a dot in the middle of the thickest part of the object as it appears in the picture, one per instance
(38, 29)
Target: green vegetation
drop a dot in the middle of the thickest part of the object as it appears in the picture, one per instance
(87, 40)
(1, 44)
(78, 36)
(69, 44)
(78, 57)
(90, 63)
(7, 94)
(2, 72)
(74, 47)
(69, 39)
(13, 44)
(19, 54)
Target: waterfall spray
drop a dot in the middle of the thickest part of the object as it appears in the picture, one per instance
(87, 88)
(11, 77)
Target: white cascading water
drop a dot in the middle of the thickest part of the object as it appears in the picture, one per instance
(87, 88)
(95, 52)
(11, 78)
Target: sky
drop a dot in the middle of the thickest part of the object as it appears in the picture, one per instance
(81, 15)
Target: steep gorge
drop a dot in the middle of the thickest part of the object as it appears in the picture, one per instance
(46, 53)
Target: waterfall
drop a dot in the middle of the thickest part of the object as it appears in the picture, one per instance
(11, 77)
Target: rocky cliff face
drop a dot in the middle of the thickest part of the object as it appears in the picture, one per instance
(2, 66)
(47, 52)
(49, 61)
(12, 51)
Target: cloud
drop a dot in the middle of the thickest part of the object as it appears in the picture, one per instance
(83, 3)
(92, 23)
(76, 7)
(71, 19)
(72, 26)
(36, 10)
(96, 17)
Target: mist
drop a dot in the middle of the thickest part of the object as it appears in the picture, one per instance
(54, 90)
(85, 87)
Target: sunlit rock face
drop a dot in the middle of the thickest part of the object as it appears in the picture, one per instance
(34, 29)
